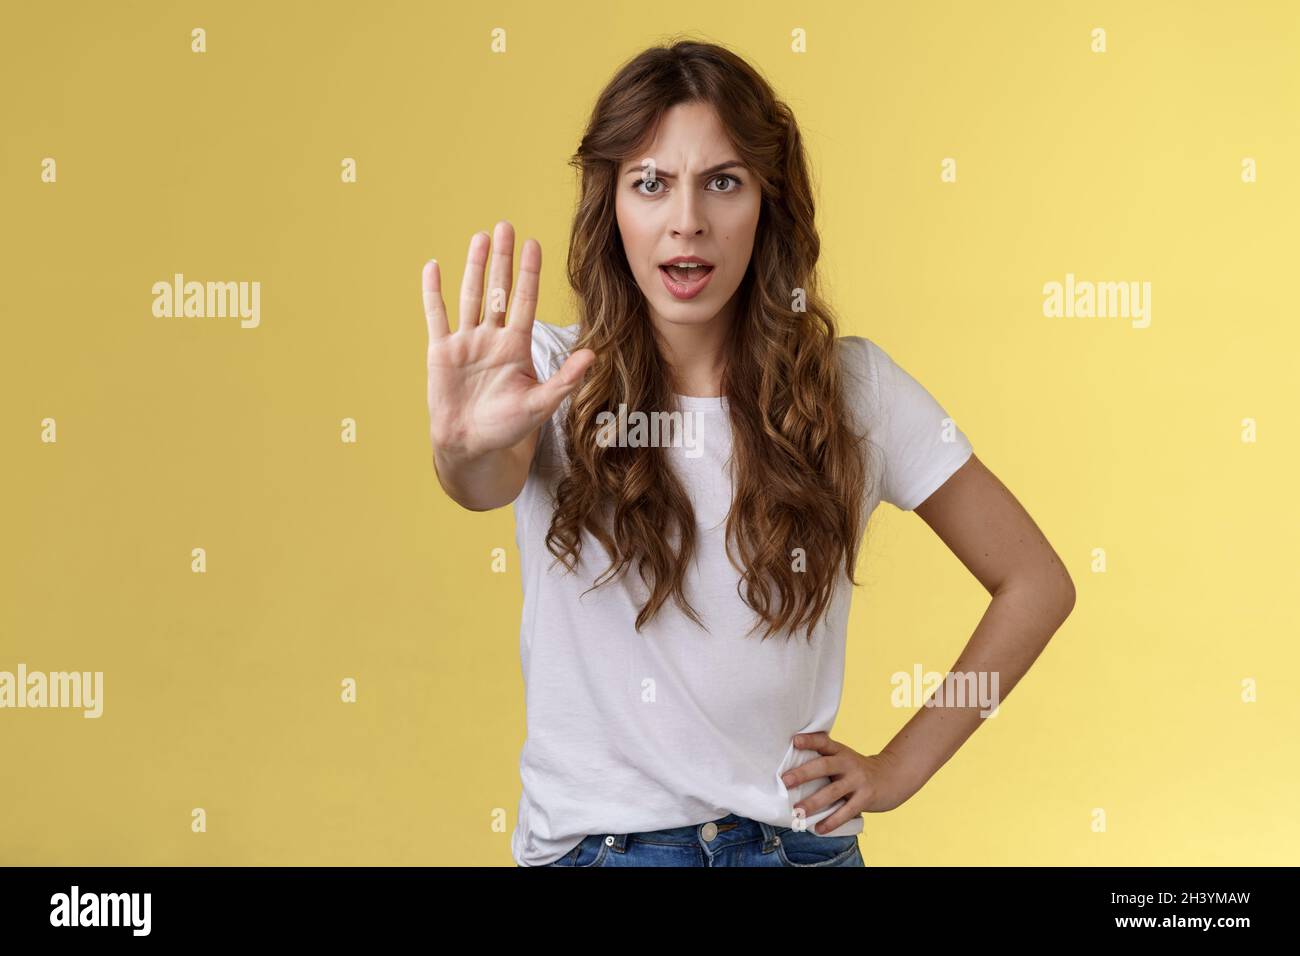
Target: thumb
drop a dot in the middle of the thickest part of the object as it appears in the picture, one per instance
(551, 392)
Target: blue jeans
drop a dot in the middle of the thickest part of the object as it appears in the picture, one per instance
(728, 841)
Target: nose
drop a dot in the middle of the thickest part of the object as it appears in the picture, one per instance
(686, 218)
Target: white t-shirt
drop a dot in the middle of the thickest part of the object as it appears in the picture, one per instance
(675, 726)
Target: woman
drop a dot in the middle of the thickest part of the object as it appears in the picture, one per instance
(687, 587)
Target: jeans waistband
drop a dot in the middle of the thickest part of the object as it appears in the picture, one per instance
(714, 834)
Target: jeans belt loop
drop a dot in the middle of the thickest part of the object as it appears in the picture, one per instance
(769, 836)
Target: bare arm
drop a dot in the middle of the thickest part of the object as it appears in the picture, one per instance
(486, 406)
(981, 521)
(996, 539)
(491, 480)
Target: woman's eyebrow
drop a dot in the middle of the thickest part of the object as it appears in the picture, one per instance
(662, 174)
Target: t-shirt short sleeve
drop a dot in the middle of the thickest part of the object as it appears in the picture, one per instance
(921, 445)
(551, 346)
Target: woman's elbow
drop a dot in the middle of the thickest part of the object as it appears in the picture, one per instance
(1062, 596)
(1069, 600)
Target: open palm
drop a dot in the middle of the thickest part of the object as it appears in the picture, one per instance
(483, 391)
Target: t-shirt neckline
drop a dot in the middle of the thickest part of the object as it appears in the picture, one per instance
(701, 401)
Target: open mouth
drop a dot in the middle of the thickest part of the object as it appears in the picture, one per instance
(686, 280)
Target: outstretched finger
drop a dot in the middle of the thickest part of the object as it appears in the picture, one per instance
(524, 307)
(809, 770)
(435, 312)
(471, 286)
(847, 811)
(820, 741)
(503, 257)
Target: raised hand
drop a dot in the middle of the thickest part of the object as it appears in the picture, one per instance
(484, 396)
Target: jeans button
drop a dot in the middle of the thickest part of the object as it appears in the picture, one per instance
(709, 831)
(609, 841)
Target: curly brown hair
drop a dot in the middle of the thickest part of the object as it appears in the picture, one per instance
(799, 471)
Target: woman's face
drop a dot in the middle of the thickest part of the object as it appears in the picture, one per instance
(688, 195)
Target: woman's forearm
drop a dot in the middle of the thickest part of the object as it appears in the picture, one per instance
(1019, 621)
(486, 481)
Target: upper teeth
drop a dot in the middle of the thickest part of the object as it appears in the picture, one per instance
(688, 265)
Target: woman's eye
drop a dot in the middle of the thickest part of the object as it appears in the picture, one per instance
(725, 177)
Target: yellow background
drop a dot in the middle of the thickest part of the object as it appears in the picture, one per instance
(329, 560)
